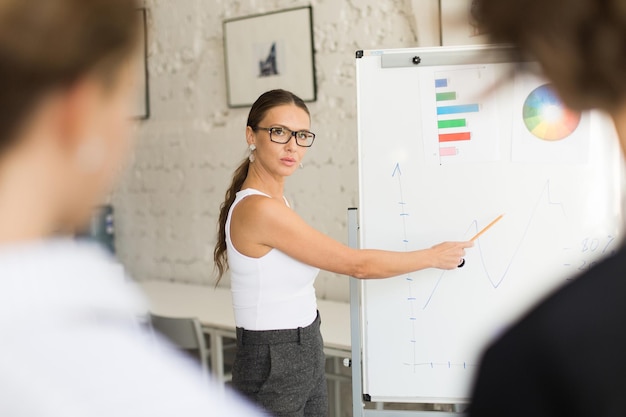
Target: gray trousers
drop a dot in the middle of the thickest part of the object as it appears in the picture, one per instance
(283, 370)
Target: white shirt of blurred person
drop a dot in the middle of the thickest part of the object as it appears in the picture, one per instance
(72, 345)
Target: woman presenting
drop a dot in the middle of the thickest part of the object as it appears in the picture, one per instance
(274, 257)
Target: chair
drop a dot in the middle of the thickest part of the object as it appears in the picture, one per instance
(184, 333)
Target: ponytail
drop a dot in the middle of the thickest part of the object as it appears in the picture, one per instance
(219, 253)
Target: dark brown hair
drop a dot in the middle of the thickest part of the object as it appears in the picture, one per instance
(261, 106)
(581, 44)
(50, 44)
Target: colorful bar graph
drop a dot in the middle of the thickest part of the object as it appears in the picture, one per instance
(445, 124)
(441, 82)
(448, 151)
(461, 108)
(454, 137)
(449, 95)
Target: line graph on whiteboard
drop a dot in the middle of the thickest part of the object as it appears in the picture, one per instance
(422, 293)
(496, 280)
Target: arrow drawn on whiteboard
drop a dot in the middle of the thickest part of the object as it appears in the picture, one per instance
(403, 214)
(495, 282)
(396, 170)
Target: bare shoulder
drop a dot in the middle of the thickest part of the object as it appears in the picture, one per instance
(257, 221)
(261, 208)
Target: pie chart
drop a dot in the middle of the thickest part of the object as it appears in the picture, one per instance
(546, 117)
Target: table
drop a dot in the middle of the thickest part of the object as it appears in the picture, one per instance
(213, 307)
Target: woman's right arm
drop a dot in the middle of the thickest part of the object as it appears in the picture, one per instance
(270, 224)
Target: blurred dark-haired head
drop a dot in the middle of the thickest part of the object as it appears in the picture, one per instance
(580, 44)
(46, 45)
(67, 87)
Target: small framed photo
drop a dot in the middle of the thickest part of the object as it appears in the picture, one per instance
(141, 109)
(459, 25)
(269, 51)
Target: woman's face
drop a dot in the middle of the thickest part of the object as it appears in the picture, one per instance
(275, 158)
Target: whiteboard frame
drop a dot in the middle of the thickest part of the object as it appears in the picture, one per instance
(401, 58)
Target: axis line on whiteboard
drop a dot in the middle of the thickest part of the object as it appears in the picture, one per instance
(448, 365)
(403, 213)
(397, 173)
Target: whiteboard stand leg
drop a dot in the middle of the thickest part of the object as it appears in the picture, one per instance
(355, 321)
(337, 387)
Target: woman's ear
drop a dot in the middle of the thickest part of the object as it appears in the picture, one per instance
(79, 114)
(250, 136)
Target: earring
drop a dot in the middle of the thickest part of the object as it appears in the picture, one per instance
(252, 148)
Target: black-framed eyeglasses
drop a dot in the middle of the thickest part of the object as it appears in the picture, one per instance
(279, 134)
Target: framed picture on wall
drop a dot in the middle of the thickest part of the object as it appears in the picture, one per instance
(458, 24)
(141, 109)
(268, 51)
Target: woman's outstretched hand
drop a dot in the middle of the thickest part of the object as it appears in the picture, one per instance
(449, 255)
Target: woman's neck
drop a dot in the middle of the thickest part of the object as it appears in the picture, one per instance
(261, 180)
(27, 201)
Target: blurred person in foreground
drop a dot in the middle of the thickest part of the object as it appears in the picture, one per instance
(69, 341)
(567, 357)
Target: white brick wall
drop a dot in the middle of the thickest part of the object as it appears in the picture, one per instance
(167, 204)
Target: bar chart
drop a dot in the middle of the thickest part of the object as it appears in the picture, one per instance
(463, 113)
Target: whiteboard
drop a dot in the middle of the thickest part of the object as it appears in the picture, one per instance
(441, 154)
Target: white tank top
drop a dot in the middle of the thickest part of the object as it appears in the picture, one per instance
(272, 292)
